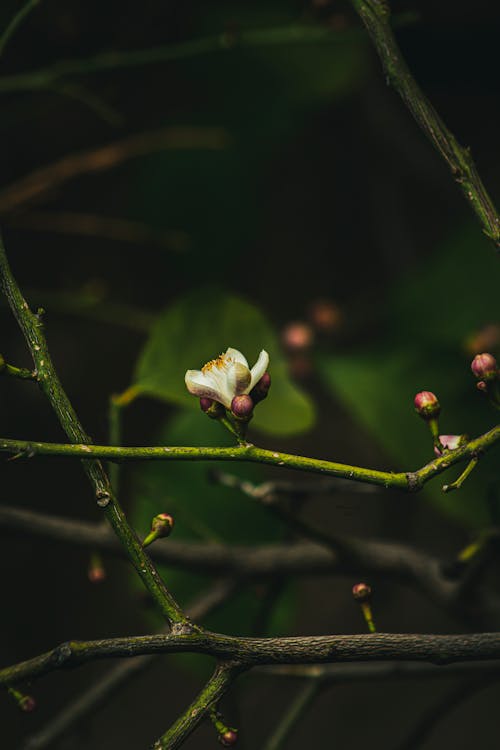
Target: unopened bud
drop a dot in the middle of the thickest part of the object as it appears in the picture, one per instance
(297, 336)
(242, 406)
(212, 409)
(161, 526)
(427, 405)
(261, 389)
(485, 367)
(361, 592)
(2, 363)
(229, 737)
(450, 443)
(25, 702)
(481, 385)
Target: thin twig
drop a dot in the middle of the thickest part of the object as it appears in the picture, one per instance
(411, 481)
(224, 675)
(54, 175)
(16, 22)
(116, 677)
(223, 42)
(375, 15)
(306, 695)
(32, 329)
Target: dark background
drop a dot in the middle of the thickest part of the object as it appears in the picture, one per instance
(323, 191)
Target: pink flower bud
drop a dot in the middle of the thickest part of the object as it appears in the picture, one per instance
(427, 405)
(325, 315)
(361, 592)
(485, 366)
(229, 737)
(481, 386)
(205, 404)
(96, 574)
(27, 704)
(261, 389)
(297, 336)
(450, 442)
(242, 406)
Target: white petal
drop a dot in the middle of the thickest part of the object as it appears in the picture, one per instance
(258, 369)
(204, 385)
(236, 356)
(238, 378)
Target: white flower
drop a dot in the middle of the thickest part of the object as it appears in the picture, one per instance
(227, 376)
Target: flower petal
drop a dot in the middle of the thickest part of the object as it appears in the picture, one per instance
(238, 379)
(204, 385)
(236, 356)
(258, 369)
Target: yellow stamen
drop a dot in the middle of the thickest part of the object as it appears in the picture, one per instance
(220, 362)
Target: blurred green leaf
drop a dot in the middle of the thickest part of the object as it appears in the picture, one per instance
(428, 318)
(207, 512)
(197, 328)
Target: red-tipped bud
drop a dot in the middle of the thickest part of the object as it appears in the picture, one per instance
(229, 737)
(261, 389)
(481, 385)
(427, 405)
(242, 406)
(96, 574)
(485, 367)
(161, 526)
(361, 592)
(450, 443)
(297, 336)
(25, 702)
(206, 403)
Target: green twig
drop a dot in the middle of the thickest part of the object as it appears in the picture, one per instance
(16, 22)
(409, 481)
(216, 687)
(31, 327)
(375, 15)
(224, 42)
(304, 698)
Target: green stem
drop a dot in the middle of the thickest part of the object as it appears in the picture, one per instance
(304, 698)
(208, 698)
(31, 327)
(16, 372)
(16, 22)
(409, 481)
(375, 15)
(224, 42)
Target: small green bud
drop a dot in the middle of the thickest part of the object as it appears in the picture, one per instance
(161, 526)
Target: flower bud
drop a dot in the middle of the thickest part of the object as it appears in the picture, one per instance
(485, 367)
(261, 389)
(427, 405)
(361, 592)
(242, 406)
(161, 526)
(25, 702)
(325, 315)
(212, 408)
(229, 737)
(2, 363)
(450, 442)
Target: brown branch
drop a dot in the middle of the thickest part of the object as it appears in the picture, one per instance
(42, 180)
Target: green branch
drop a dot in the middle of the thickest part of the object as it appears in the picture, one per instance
(409, 481)
(217, 685)
(32, 328)
(375, 15)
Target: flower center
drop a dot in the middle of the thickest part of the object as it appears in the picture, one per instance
(221, 363)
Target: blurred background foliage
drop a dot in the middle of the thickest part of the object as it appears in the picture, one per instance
(262, 188)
